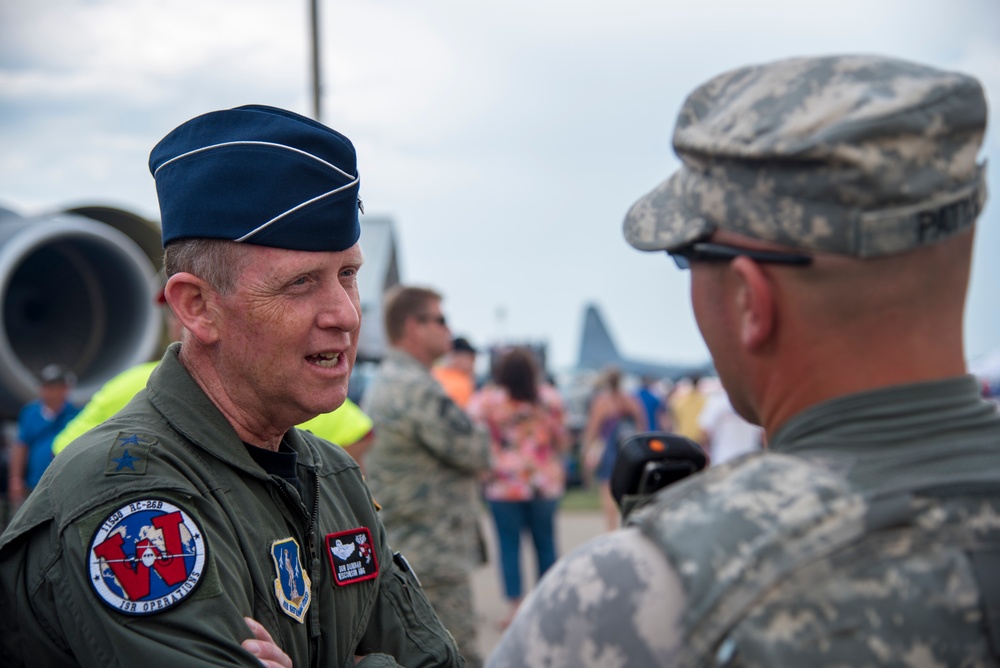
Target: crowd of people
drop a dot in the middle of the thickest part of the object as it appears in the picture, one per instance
(227, 506)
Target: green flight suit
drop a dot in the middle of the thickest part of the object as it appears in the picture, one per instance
(171, 448)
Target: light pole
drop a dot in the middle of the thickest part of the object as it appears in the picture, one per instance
(314, 33)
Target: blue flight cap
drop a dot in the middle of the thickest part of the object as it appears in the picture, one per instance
(258, 175)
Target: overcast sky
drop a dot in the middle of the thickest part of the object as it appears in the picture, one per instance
(505, 138)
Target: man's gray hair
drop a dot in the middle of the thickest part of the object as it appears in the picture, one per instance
(216, 261)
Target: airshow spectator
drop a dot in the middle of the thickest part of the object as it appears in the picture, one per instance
(457, 371)
(527, 479)
(37, 424)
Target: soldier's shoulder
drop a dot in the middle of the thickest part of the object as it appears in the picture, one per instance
(406, 390)
(603, 591)
(756, 489)
(753, 473)
(389, 379)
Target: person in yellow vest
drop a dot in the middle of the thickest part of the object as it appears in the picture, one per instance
(107, 401)
(115, 393)
(348, 426)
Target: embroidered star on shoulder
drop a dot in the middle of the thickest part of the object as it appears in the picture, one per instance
(125, 461)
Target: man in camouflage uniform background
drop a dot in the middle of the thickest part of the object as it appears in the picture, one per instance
(424, 464)
(825, 207)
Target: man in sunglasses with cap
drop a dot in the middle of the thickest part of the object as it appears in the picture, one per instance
(424, 465)
(153, 538)
(825, 208)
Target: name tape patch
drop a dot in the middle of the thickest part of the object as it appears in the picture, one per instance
(352, 556)
(146, 557)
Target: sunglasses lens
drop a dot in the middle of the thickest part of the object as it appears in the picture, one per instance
(681, 261)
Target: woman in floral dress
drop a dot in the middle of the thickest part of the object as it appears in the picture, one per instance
(528, 477)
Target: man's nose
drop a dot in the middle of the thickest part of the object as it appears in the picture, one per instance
(342, 312)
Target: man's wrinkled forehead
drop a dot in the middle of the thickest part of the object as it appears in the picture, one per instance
(268, 261)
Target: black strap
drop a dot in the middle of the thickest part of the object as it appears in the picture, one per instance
(986, 566)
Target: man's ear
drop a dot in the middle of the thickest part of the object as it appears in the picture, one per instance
(192, 299)
(755, 301)
(410, 326)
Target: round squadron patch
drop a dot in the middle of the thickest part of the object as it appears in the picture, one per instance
(146, 557)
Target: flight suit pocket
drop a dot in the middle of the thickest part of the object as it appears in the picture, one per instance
(405, 625)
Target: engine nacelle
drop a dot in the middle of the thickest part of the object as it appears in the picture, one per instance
(76, 291)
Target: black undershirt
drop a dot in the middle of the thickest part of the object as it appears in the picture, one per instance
(281, 463)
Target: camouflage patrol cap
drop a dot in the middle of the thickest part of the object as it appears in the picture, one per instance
(856, 155)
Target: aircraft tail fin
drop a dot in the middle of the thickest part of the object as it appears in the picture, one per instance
(597, 349)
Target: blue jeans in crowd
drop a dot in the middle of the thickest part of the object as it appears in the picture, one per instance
(511, 518)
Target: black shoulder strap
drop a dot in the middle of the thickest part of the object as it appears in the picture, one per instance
(986, 567)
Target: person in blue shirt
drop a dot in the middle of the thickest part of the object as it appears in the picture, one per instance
(38, 423)
(652, 402)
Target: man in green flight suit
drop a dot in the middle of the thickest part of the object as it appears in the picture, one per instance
(200, 504)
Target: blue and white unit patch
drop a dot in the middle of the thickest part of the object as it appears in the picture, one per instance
(146, 557)
(292, 586)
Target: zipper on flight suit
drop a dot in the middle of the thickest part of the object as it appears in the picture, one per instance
(311, 528)
(310, 531)
(314, 566)
(310, 541)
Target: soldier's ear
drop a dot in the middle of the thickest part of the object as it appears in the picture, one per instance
(756, 305)
(410, 327)
(192, 301)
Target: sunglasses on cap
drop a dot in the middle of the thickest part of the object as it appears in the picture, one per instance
(704, 251)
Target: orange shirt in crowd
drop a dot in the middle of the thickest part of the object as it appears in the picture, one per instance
(457, 384)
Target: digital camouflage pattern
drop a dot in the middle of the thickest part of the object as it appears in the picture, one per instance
(802, 569)
(867, 535)
(858, 155)
(773, 561)
(610, 603)
(422, 470)
(453, 603)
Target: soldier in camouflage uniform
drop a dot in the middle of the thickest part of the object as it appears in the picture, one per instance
(424, 465)
(825, 207)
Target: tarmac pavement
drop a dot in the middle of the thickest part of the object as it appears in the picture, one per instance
(572, 528)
